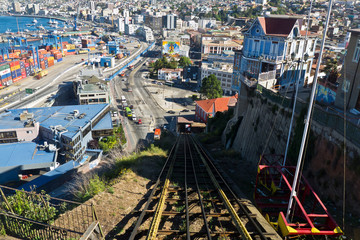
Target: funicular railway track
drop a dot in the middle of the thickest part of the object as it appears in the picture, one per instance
(191, 200)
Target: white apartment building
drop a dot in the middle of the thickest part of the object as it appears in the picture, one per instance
(130, 29)
(169, 21)
(146, 33)
(121, 25)
(207, 23)
(223, 72)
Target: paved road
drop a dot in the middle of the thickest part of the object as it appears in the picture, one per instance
(66, 70)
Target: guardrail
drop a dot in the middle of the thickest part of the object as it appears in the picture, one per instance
(129, 63)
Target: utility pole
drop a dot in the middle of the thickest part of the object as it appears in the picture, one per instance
(307, 121)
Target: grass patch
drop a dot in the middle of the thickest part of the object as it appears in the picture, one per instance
(87, 187)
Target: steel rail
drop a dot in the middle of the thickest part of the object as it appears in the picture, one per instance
(186, 196)
(142, 215)
(243, 208)
(198, 191)
(160, 206)
(211, 197)
(238, 223)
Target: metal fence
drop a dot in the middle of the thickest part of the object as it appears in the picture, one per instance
(29, 215)
(324, 116)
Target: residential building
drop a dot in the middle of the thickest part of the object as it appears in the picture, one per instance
(138, 19)
(169, 74)
(36, 8)
(121, 25)
(146, 33)
(169, 21)
(218, 44)
(130, 29)
(222, 71)
(16, 7)
(205, 109)
(156, 23)
(191, 73)
(207, 23)
(349, 82)
(271, 54)
(92, 91)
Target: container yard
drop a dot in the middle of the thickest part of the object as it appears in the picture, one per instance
(18, 62)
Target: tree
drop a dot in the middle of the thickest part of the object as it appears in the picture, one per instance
(184, 61)
(331, 70)
(211, 87)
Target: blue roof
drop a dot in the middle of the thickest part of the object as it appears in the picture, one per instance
(49, 176)
(104, 123)
(54, 116)
(24, 154)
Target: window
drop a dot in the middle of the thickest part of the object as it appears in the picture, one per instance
(346, 86)
(289, 49)
(297, 47)
(312, 45)
(274, 48)
(357, 52)
(29, 131)
(4, 135)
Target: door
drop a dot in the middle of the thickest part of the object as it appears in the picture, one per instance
(357, 105)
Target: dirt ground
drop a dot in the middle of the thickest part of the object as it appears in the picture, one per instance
(118, 211)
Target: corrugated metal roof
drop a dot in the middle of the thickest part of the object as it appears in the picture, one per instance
(24, 154)
(49, 176)
(53, 116)
(104, 123)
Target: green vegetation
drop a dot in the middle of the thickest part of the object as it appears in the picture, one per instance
(162, 63)
(95, 186)
(184, 61)
(211, 87)
(331, 70)
(217, 124)
(122, 166)
(250, 12)
(108, 143)
(33, 206)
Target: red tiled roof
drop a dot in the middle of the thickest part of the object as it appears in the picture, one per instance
(221, 104)
(277, 26)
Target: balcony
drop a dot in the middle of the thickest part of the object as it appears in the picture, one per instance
(250, 82)
(267, 58)
(265, 76)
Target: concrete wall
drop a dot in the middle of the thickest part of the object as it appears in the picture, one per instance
(252, 137)
(325, 168)
(350, 90)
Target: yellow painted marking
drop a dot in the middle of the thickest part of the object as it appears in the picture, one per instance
(338, 230)
(160, 207)
(315, 230)
(285, 230)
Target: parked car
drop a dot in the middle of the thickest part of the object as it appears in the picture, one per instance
(185, 110)
(171, 111)
(139, 122)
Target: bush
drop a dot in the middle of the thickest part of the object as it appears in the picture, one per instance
(32, 206)
(94, 186)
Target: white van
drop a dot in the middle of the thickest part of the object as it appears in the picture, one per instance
(133, 117)
(123, 99)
